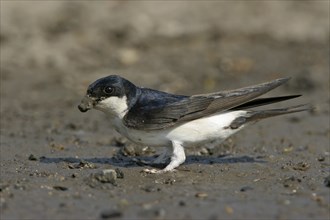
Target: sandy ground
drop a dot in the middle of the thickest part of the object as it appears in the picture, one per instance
(57, 163)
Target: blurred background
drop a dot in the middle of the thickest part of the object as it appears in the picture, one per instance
(178, 46)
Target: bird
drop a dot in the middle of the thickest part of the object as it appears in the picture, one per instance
(155, 118)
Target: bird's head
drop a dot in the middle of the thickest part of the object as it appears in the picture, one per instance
(111, 94)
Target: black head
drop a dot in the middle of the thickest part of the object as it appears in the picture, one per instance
(106, 87)
(112, 85)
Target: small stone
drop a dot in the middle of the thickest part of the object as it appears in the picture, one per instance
(111, 214)
(302, 166)
(83, 165)
(106, 176)
(60, 188)
(291, 182)
(32, 157)
(151, 189)
(120, 173)
(56, 146)
(288, 149)
(204, 151)
(146, 151)
(246, 188)
(70, 166)
(169, 181)
(128, 151)
(321, 158)
(201, 195)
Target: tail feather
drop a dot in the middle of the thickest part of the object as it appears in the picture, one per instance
(264, 101)
(255, 115)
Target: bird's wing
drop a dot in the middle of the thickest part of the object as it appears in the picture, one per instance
(155, 112)
(264, 101)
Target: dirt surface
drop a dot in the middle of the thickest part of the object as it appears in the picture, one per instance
(57, 163)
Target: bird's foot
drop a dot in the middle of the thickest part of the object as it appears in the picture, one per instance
(156, 171)
(177, 158)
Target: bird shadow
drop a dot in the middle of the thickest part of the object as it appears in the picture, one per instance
(138, 161)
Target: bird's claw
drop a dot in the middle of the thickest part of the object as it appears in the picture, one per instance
(155, 171)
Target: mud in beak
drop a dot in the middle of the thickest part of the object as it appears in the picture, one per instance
(86, 104)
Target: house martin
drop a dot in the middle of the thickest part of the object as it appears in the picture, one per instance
(155, 118)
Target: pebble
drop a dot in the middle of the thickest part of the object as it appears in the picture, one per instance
(128, 151)
(246, 188)
(120, 173)
(106, 176)
(147, 151)
(32, 157)
(60, 188)
(201, 195)
(302, 166)
(110, 214)
(82, 165)
(204, 151)
(291, 182)
(169, 181)
(56, 146)
(288, 149)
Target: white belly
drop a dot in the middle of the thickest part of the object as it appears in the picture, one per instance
(214, 127)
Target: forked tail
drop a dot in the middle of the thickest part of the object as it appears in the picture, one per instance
(255, 115)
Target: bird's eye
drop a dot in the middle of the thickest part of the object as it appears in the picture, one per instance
(108, 90)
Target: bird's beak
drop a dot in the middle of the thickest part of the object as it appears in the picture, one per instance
(87, 103)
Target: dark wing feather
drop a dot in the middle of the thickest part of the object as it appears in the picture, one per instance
(264, 101)
(156, 110)
(149, 109)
